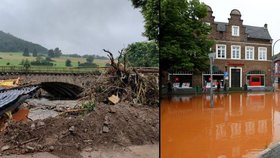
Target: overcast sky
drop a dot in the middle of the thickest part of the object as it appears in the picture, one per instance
(75, 26)
(253, 12)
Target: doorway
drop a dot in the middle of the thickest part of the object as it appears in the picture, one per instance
(235, 77)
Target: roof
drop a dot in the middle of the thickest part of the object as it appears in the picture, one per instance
(252, 31)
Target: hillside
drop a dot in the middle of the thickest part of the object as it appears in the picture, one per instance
(10, 43)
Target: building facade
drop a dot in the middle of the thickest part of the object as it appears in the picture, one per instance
(243, 52)
(243, 55)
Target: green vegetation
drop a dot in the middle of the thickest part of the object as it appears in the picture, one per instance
(35, 53)
(26, 52)
(10, 43)
(184, 42)
(42, 61)
(54, 53)
(15, 59)
(150, 12)
(89, 105)
(89, 62)
(143, 54)
(68, 63)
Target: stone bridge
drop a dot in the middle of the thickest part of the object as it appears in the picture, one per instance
(81, 80)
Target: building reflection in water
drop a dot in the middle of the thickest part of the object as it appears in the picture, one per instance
(240, 125)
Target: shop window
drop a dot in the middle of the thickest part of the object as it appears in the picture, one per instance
(181, 80)
(255, 80)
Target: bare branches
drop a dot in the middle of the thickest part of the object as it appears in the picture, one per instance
(111, 57)
(128, 84)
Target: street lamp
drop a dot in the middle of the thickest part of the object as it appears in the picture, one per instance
(211, 58)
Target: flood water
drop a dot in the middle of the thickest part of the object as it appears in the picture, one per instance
(239, 125)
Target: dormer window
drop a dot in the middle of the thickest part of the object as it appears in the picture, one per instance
(235, 30)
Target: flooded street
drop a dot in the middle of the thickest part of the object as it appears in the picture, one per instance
(239, 125)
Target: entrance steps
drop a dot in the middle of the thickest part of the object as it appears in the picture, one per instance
(257, 88)
(234, 89)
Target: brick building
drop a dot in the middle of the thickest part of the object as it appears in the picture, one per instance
(243, 55)
(244, 52)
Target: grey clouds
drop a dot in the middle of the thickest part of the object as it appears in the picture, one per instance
(75, 26)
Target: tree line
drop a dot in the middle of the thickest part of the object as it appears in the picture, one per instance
(183, 36)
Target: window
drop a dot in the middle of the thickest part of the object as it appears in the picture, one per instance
(262, 53)
(235, 30)
(249, 53)
(220, 51)
(235, 52)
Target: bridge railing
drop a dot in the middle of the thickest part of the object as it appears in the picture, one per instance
(65, 70)
(46, 69)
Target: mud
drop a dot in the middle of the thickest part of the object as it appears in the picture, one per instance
(144, 151)
(67, 134)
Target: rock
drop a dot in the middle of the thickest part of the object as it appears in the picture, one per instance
(30, 148)
(5, 147)
(51, 148)
(106, 118)
(88, 149)
(112, 110)
(59, 109)
(38, 146)
(87, 141)
(41, 123)
(105, 129)
(72, 129)
(33, 126)
(106, 122)
(25, 105)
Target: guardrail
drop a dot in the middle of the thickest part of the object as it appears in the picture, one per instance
(65, 70)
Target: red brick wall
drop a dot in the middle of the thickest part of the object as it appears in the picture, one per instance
(242, 40)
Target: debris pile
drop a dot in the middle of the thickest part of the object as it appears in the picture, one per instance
(124, 84)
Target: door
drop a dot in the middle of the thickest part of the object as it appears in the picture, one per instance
(235, 78)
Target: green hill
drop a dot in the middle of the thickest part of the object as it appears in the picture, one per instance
(10, 43)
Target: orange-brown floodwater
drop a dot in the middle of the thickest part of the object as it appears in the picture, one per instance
(239, 125)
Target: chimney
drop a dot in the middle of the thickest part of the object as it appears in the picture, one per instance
(265, 26)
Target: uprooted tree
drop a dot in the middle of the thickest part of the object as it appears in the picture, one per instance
(126, 83)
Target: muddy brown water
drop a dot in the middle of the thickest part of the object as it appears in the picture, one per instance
(239, 125)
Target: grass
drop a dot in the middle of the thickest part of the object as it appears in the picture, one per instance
(15, 58)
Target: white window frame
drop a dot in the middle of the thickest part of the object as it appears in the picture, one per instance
(261, 55)
(232, 51)
(225, 51)
(247, 51)
(233, 29)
